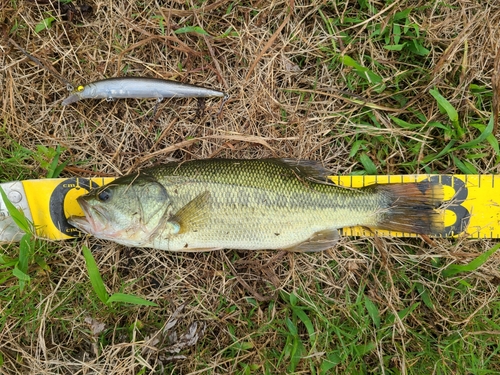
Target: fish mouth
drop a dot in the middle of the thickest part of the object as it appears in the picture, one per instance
(81, 223)
(93, 221)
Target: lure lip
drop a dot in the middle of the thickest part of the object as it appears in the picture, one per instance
(73, 98)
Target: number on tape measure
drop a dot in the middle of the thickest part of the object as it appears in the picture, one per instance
(454, 204)
(56, 204)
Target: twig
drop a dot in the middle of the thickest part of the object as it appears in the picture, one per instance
(51, 70)
(259, 297)
(362, 102)
(86, 171)
(270, 41)
(495, 83)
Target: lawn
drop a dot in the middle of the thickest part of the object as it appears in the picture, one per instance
(364, 86)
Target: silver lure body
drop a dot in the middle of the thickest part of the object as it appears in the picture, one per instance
(139, 88)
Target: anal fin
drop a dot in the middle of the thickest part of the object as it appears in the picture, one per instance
(200, 249)
(319, 241)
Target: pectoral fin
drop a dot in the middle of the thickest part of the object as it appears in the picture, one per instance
(319, 241)
(193, 215)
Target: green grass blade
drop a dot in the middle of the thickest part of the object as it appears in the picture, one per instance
(307, 322)
(450, 110)
(23, 277)
(45, 24)
(296, 355)
(368, 164)
(361, 70)
(364, 349)
(17, 215)
(42, 263)
(7, 262)
(95, 276)
(356, 147)
(490, 138)
(424, 294)
(465, 167)
(404, 124)
(402, 15)
(445, 105)
(402, 313)
(332, 360)
(436, 124)
(405, 312)
(418, 48)
(291, 327)
(21, 269)
(372, 311)
(441, 153)
(294, 347)
(55, 169)
(53, 164)
(395, 47)
(482, 137)
(396, 30)
(473, 265)
(191, 29)
(128, 298)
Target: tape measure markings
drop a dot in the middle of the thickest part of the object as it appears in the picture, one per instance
(471, 204)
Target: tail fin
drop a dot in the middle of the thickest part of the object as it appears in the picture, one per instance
(411, 208)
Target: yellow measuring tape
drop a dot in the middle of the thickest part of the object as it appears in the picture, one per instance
(52, 201)
(471, 203)
(471, 207)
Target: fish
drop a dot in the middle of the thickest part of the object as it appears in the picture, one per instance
(254, 204)
(140, 88)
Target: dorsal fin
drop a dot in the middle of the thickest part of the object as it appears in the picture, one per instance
(310, 169)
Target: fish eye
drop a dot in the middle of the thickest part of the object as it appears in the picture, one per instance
(80, 88)
(104, 195)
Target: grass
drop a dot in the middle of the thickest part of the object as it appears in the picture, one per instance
(366, 87)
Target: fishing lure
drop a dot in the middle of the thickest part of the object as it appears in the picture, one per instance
(140, 88)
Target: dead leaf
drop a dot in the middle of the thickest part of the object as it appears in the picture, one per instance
(96, 327)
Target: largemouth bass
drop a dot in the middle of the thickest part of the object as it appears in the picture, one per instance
(249, 204)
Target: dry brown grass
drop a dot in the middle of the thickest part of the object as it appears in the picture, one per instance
(286, 100)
